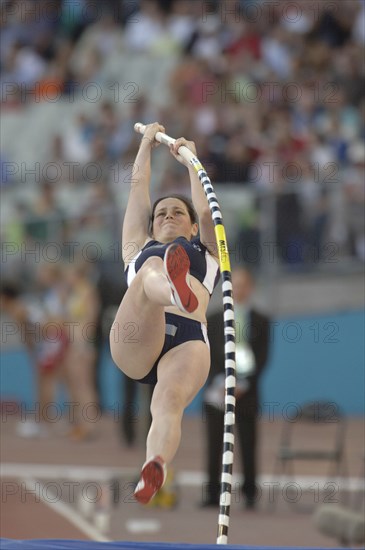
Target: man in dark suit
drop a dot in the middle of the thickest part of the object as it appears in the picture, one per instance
(252, 348)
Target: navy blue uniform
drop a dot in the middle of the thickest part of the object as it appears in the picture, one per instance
(202, 264)
(204, 268)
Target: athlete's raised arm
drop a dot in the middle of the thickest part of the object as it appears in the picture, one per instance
(138, 212)
(206, 225)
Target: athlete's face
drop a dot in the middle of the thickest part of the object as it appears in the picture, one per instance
(172, 220)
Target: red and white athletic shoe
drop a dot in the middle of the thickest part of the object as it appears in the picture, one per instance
(153, 476)
(177, 265)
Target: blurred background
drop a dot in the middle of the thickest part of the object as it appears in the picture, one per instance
(272, 94)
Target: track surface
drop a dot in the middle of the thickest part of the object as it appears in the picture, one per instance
(44, 502)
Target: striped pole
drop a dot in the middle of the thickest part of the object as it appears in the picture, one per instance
(229, 334)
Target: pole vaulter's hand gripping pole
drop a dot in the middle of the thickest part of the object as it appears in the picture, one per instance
(229, 333)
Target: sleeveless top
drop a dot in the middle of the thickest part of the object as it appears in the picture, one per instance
(202, 264)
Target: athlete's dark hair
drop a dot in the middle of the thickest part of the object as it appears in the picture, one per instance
(189, 205)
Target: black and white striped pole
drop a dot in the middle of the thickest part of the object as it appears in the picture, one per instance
(229, 334)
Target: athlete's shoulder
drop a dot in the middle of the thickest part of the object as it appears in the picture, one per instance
(150, 242)
(197, 244)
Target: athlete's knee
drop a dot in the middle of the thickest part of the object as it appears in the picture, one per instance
(151, 267)
(115, 355)
(168, 400)
(151, 262)
(115, 350)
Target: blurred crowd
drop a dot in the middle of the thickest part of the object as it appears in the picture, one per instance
(270, 91)
(59, 326)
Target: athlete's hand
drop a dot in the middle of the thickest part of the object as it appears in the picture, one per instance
(175, 147)
(150, 133)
